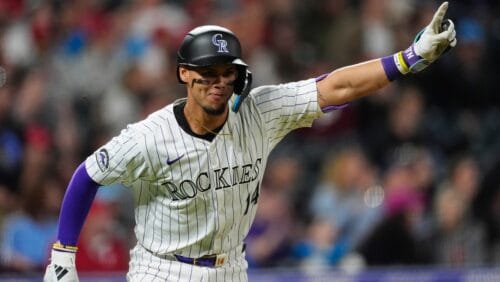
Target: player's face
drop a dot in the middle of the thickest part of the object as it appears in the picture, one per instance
(211, 87)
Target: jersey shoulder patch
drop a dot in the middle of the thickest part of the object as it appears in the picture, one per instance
(102, 159)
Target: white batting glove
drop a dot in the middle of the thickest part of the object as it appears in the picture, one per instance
(432, 41)
(62, 267)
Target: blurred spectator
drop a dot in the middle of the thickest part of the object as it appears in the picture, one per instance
(153, 15)
(339, 42)
(27, 234)
(37, 156)
(391, 243)
(458, 241)
(470, 89)
(288, 53)
(421, 169)
(120, 102)
(100, 249)
(464, 178)
(119, 201)
(17, 44)
(403, 124)
(377, 38)
(8, 201)
(340, 200)
(11, 143)
(321, 248)
(487, 208)
(394, 240)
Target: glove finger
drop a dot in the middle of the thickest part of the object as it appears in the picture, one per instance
(438, 17)
(444, 36)
(448, 34)
(453, 43)
(452, 36)
(451, 27)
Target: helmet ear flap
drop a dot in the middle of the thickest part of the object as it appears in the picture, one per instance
(239, 84)
(245, 82)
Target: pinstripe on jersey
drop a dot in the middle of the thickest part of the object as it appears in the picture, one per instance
(195, 197)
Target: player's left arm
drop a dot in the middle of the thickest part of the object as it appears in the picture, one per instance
(349, 83)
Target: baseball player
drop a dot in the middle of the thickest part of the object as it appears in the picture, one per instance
(195, 166)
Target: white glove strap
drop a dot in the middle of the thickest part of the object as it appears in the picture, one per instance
(65, 259)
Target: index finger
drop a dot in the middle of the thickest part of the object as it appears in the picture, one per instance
(438, 17)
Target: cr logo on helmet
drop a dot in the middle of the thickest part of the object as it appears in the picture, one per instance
(221, 43)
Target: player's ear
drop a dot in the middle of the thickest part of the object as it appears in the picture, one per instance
(183, 74)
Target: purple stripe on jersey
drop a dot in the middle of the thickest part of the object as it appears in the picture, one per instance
(76, 205)
(390, 68)
(332, 107)
(321, 77)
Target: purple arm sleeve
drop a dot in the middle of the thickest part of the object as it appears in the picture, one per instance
(76, 205)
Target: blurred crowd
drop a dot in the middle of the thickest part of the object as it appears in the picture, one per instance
(408, 176)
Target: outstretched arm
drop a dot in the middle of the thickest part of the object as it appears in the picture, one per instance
(349, 83)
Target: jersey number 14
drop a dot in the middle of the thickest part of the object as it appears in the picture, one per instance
(253, 198)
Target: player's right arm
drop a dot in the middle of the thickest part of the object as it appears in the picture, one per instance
(75, 207)
(352, 82)
(120, 160)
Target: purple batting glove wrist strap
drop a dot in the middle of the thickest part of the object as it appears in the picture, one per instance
(402, 63)
(414, 62)
(390, 68)
(76, 205)
(411, 58)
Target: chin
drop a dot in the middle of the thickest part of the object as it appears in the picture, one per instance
(215, 111)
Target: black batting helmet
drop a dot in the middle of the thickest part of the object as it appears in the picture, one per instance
(209, 45)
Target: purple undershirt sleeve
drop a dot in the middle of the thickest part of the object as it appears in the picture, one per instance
(76, 205)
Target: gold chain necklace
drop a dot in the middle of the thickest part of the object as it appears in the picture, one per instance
(209, 130)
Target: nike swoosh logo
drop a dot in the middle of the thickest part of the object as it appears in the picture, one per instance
(169, 161)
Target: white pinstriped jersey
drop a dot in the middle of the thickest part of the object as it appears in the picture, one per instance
(195, 197)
